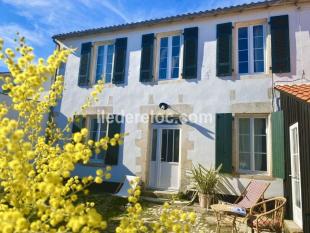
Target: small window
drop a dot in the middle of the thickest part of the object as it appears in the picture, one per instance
(253, 144)
(170, 145)
(104, 63)
(98, 130)
(251, 49)
(169, 57)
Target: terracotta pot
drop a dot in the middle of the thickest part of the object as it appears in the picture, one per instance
(205, 200)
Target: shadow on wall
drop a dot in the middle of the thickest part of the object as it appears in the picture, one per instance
(226, 186)
(204, 131)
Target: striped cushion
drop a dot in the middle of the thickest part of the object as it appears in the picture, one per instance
(252, 194)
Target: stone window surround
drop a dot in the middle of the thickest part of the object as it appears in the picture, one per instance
(267, 175)
(144, 143)
(267, 72)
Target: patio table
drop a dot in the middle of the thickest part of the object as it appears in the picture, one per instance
(222, 210)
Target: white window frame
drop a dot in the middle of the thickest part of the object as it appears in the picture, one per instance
(268, 138)
(95, 57)
(250, 26)
(89, 118)
(157, 63)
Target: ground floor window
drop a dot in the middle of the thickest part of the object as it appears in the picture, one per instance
(98, 128)
(252, 136)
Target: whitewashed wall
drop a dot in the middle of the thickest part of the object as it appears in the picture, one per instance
(209, 94)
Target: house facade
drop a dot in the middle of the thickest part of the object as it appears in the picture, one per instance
(211, 72)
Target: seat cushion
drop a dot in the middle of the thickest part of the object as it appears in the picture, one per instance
(264, 223)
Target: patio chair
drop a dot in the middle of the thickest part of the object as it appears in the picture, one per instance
(271, 220)
(251, 195)
(127, 184)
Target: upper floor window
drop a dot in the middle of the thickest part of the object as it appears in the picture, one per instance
(252, 144)
(251, 49)
(104, 63)
(169, 57)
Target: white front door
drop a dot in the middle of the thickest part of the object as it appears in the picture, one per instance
(295, 174)
(165, 156)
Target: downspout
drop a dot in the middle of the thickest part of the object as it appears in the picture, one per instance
(51, 112)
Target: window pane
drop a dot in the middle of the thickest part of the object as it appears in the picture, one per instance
(258, 30)
(170, 145)
(103, 130)
(243, 44)
(259, 66)
(244, 125)
(243, 68)
(109, 66)
(154, 145)
(245, 161)
(259, 54)
(175, 72)
(176, 40)
(260, 144)
(260, 162)
(163, 58)
(243, 52)
(243, 56)
(243, 33)
(260, 126)
(100, 62)
(258, 46)
(93, 129)
(164, 145)
(244, 143)
(176, 145)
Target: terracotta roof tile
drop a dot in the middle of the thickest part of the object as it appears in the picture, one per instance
(300, 91)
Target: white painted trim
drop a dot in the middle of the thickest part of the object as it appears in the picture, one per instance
(157, 55)
(159, 128)
(268, 141)
(94, 58)
(297, 212)
(267, 51)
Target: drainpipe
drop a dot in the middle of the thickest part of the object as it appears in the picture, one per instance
(51, 113)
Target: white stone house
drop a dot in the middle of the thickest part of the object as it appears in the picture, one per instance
(220, 65)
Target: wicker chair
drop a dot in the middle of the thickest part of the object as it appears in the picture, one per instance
(260, 219)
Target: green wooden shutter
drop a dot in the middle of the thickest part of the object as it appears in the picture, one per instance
(120, 61)
(147, 53)
(190, 53)
(78, 123)
(224, 141)
(280, 44)
(113, 151)
(85, 64)
(224, 49)
(277, 144)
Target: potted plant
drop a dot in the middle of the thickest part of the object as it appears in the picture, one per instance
(205, 181)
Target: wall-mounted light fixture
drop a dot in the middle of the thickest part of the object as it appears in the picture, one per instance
(164, 106)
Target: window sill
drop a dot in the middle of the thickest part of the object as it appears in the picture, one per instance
(253, 76)
(172, 80)
(94, 164)
(256, 176)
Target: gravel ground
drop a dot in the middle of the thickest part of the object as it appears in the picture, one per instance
(113, 208)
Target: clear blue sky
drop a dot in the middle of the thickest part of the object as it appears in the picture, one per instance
(38, 20)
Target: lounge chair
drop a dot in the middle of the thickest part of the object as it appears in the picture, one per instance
(251, 195)
(127, 184)
(271, 220)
